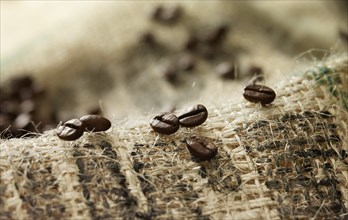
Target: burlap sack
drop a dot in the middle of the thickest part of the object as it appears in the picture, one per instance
(285, 160)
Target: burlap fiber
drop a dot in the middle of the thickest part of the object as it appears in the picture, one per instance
(286, 160)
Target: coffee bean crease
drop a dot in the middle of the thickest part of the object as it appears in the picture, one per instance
(95, 123)
(259, 93)
(201, 148)
(165, 123)
(195, 116)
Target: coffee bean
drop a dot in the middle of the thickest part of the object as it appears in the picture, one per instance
(201, 148)
(258, 93)
(95, 123)
(70, 130)
(226, 70)
(194, 116)
(165, 123)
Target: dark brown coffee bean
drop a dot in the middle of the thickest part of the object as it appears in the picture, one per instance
(195, 116)
(201, 148)
(70, 130)
(226, 70)
(95, 123)
(258, 93)
(165, 123)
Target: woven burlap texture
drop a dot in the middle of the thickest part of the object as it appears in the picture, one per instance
(285, 160)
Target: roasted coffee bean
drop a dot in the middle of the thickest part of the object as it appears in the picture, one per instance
(95, 123)
(226, 70)
(195, 116)
(165, 123)
(258, 93)
(201, 148)
(70, 130)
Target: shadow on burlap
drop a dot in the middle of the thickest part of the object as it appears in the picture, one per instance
(285, 160)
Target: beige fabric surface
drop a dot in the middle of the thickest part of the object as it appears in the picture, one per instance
(285, 160)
